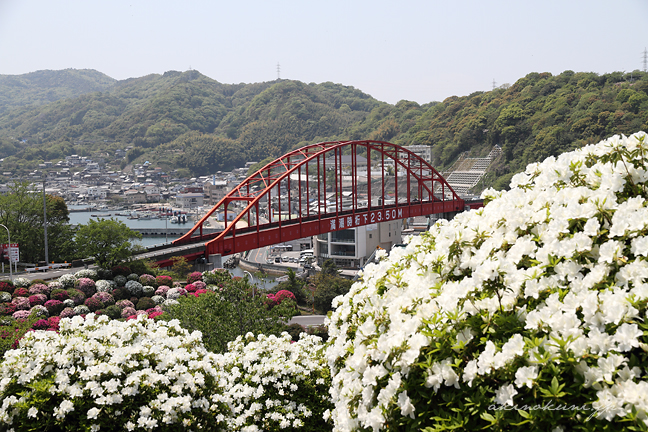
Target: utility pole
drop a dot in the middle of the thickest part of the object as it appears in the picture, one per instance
(45, 218)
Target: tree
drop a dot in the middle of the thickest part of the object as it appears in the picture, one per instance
(329, 285)
(224, 315)
(294, 285)
(107, 240)
(21, 211)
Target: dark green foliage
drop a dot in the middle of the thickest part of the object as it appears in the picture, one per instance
(294, 330)
(145, 303)
(190, 122)
(114, 312)
(329, 285)
(107, 240)
(232, 312)
(120, 294)
(21, 211)
(11, 331)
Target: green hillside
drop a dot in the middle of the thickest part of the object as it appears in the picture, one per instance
(44, 87)
(188, 120)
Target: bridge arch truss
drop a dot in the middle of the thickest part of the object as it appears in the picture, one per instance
(321, 188)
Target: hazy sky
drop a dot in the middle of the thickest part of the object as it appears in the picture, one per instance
(416, 50)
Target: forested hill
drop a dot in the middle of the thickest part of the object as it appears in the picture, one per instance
(187, 120)
(44, 87)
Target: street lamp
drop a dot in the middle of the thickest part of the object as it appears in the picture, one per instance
(9, 240)
(252, 279)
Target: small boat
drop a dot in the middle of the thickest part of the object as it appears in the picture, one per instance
(174, 219)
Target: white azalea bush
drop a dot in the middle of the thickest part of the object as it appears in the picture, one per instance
(274, 384)
(528, 313)
(101, 374)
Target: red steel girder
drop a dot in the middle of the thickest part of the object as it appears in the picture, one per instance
(269, 178)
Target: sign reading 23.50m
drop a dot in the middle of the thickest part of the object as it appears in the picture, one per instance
(371, 217)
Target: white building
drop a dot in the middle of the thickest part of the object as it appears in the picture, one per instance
(189, 200)
(423, 151)
(351, 247)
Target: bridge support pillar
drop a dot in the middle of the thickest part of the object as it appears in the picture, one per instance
(217, 260)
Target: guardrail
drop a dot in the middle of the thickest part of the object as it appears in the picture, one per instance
(47, 267)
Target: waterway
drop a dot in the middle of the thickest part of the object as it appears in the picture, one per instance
(82, 217)
(77, 218)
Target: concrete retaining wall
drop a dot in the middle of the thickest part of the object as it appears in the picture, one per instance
(271, 269)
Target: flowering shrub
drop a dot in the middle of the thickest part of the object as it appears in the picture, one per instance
(147, 279)
(275, 384)
(21, 303)
(199, 285)
(54, 307)
(191, 288)
(81, 310)
(538, 298)
(128, 311)
(67, 280)
(41, 324)
(37, 299)
(133, 277)
(54, 285)
(94, 304)
(148, 291)
(176, 293)
(86, 286)
(97, 373)
(105, 286)
(216, 277)
(21, 282)
(194, 276)
(163, 280)
(7, 309)
(104, 298)
(21, 292)
(21, 314)
(120, 280)
(39, 311)
(68, 312)
(5, 297)
(120, 270)
(283, 295)
(86, 273)
(124, 304)
(162, 290)
(145, 303)
(77, 296)
(158, 299)
(134, 288)
(7, 286)
(59, 294)
(39, 288)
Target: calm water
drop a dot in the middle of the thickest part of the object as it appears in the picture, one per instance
(83, 217)
(77, 218)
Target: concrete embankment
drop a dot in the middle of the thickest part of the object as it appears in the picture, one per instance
(174, 231)
(271, 269)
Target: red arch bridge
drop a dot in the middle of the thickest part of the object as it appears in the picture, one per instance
(321, 188)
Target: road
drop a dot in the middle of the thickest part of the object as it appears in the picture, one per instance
(308, 320)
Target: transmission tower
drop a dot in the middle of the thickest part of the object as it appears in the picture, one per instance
(494, 84)
(278, 71)
(645, 60)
